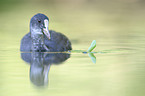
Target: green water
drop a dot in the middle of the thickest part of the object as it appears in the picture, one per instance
(116, 25)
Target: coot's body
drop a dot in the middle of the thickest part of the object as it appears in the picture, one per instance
(41, 39)
(58, 43)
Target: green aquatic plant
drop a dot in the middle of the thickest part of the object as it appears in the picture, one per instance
(92, 56)
(93, 45)
(89, 51)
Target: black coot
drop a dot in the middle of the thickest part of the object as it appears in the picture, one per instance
(41, 39)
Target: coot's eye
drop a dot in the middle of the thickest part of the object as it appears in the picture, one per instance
(39, 21)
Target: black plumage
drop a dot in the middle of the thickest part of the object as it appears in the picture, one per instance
(37, 40)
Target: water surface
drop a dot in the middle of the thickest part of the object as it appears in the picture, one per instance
(118, 28)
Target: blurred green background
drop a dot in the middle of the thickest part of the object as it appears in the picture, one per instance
(114, 24)
(98, 19)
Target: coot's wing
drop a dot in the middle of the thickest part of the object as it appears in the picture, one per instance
(26, 43)
(58, 42)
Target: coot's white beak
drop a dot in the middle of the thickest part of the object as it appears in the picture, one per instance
(45, 30)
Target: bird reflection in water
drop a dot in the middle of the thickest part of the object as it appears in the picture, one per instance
(40, 63)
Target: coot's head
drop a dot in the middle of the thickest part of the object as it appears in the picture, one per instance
(39, 25)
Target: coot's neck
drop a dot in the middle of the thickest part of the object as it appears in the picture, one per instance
(37, 40)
